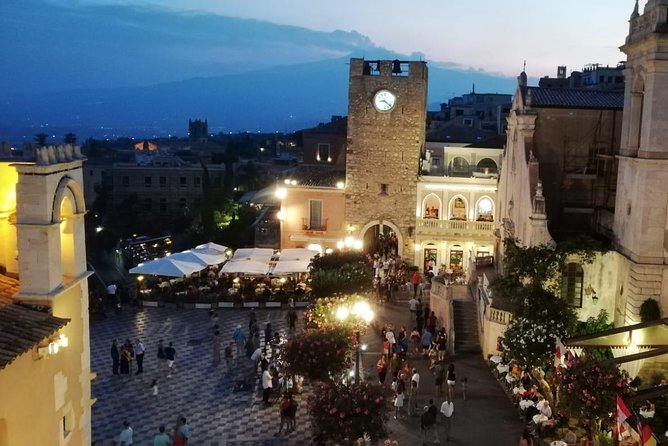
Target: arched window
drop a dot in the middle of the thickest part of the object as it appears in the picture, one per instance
(458, 209)
(571, 284)
(485, 210)
(459, 167)
(431, 207)
(67, 248)
(487, 166)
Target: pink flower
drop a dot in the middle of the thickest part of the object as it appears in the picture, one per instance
(332, 411)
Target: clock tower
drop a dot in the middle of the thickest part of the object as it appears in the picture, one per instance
(387, 107)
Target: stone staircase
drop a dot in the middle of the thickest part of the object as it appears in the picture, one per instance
(466, 326)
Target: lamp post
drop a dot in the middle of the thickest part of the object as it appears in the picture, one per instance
(362, 310)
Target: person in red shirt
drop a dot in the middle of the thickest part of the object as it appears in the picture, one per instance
(416, 283)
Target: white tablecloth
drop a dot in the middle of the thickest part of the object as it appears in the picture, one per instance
(540, 418)
(524, 404)
(558, 443)
(496, 359)
(502, 368)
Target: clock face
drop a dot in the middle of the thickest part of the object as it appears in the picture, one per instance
(384, 100)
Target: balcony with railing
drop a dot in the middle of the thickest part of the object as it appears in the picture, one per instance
(314, 225)
(433, 226)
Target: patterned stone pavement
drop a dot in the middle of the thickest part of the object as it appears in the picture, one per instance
(219, 416)
(198, 390)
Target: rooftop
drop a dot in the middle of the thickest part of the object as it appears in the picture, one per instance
(573, 98)
(317, 176)
(21, 328)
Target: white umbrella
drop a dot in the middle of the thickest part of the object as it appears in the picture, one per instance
(213, 254)
(167, 267)
(199, 257)
(245, 267)
(291, 266)
(260, 254)
(212, 246)
(298, 254)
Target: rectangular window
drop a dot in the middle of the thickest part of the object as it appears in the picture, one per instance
(383, 189)
(183, 181)
(571, 284)
(125, 180)
(147, 181)
(197, 181)
(183, 203)
(315, 214)
(323, 154)
(163, 181)
(163, 205)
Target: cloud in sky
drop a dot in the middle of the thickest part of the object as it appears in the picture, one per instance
(494, 35)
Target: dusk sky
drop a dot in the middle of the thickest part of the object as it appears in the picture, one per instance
(492, 35)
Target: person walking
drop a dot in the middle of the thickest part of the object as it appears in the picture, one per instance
(447, 409)
(451, 379)
(398, 402)
(125, 438)
(115, 357)
(252, 321)
(126, 359)
(181, 432)
(292, 414)
(442, 344)
(292, 319)
(266, 386)
(428, 422)
(439, 372)
(381, 369)
(240, 339)
(412, 395)
(431, 323)
(267, 337)
(228, 356)
(170, 355)
(139, 355)
(162, 438)
(416, 283)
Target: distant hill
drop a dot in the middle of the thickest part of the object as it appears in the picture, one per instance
(116, 71)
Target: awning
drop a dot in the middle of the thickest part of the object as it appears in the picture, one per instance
(167, 267)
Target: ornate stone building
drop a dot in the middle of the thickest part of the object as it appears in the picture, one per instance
(387, 103)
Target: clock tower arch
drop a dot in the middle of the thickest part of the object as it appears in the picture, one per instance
(387, 111)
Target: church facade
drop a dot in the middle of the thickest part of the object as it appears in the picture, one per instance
(45, 371)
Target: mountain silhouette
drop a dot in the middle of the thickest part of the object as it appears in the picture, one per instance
(109, 71)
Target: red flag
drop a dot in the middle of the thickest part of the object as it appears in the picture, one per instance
(623, 413)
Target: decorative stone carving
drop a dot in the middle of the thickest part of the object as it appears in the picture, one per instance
(60, 154)
(68, 152)
(52, 155)
(42, 156)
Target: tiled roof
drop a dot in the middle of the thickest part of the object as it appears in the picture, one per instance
(567, 98)
(317, 176)
(21, 328)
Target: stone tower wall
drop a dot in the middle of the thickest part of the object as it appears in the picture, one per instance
(385, 148)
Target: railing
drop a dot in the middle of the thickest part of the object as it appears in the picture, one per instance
(445, 171)
(499, 316)
(308, 225)
(434, 224)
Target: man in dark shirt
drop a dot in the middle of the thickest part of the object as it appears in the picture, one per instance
(170, 354)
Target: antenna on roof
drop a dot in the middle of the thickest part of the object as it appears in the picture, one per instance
(524, 68)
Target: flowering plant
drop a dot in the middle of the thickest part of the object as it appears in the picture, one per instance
(588, 387)
(347, 412)
(319, 353)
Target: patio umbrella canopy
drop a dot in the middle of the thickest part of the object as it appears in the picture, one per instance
(167, 267)
(213, 247)
(199, 257)
(291, 266)
(257, 267)
(260, 254)
(297, 254)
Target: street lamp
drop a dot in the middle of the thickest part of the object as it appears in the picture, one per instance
(361, 310)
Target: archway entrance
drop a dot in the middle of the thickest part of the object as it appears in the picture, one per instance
(382, 237)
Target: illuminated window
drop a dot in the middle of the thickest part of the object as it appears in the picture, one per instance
(315, 214)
